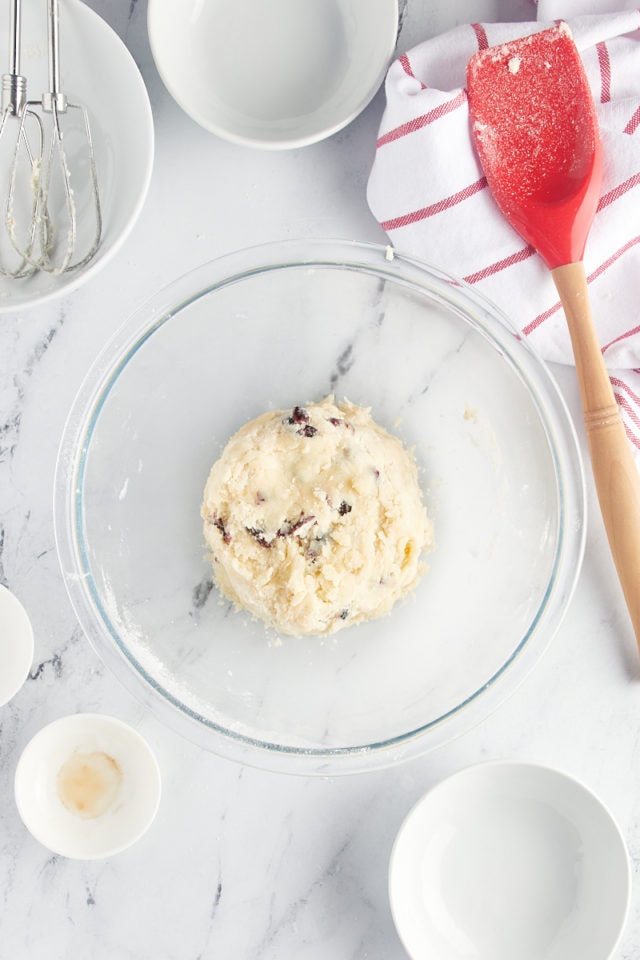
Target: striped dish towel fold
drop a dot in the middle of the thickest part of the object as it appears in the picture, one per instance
(429, 193)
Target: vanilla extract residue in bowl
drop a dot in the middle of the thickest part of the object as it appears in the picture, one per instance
(89, 784)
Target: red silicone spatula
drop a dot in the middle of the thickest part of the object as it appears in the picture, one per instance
(535, 128)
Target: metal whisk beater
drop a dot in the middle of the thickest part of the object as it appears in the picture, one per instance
(23, 156)
(67, 220)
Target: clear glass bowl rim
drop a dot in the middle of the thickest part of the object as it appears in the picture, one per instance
(386, 263)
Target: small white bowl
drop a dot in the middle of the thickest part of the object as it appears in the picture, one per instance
(274, 75)
(16, 648)
(87, 786)
(505, 860)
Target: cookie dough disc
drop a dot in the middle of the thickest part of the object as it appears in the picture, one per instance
(315, 519)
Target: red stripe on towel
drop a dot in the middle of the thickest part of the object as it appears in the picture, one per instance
(405, 63)
(612, 259)
(481, 36)
(530, 327)
(624, 404)
(403, 60)
(537, 321)
(605, 72)
(415, 215)
(625, 386)
(618, 191)
(423, 121)
(626, 408)
(634, 123)
(499, 265)
(622, 336)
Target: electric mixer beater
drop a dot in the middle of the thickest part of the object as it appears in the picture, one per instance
(60, 228)
(63, 184)
(22, 144)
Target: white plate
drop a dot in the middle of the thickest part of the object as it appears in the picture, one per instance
(98, 71)
(509, 860)
(280, 74)
(16, 645)
(87, 786)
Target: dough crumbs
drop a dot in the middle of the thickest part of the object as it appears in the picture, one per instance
(314, 518)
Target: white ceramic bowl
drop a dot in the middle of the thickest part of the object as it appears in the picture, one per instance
(506, 860)
(97, 70)
(16, 645)
(87, 786)
(274, 75)
(442, 369)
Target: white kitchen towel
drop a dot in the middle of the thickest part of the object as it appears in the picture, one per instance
(429, 193)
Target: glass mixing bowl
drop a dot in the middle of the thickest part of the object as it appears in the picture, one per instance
(440, 367)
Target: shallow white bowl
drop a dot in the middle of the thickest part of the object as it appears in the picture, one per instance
(505, 860)
(441, 368)
(66, 801)
(275, 75)
(16, 645)
(98, 71)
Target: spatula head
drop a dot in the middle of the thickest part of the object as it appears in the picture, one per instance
(535, 127)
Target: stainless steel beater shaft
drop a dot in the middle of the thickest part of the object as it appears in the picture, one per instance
(21, 213)
(79, 182)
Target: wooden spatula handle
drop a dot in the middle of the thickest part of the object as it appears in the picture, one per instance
(615, 473)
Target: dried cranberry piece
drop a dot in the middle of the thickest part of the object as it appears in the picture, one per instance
(259, 537)
(219, 524)
(338, 422)
(290, 527)
(298, 415)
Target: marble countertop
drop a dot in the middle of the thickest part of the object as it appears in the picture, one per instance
(240, 863)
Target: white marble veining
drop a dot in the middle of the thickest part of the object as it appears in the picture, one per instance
(241, 864)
